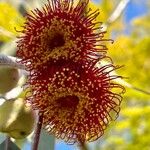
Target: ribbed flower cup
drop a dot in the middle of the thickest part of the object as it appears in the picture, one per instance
(60, 46)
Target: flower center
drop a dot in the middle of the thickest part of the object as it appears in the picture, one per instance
(70, 101)
(57, 40)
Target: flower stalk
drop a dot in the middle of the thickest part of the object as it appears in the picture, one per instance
(7, 141)
(83, 146)
(37, 132)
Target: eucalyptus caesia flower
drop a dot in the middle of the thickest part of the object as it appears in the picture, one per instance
(60, 46)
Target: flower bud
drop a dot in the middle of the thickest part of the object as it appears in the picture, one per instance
(8, 79)
(16, 118)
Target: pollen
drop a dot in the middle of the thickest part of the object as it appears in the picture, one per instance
(77, 105)
(59, 32)
(60, 46)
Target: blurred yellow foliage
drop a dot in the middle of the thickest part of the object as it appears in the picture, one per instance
(10, 19)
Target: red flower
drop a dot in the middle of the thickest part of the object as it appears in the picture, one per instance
(76, 100)
(60, 46)
(60, 30)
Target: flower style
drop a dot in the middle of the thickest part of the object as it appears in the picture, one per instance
(76, 100)
(60, 30)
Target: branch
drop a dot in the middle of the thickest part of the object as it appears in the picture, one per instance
(10, 62)
(116, 13)
(83, 146)
(7, 142)
(128, 85)
(120, 80)
(37, 132)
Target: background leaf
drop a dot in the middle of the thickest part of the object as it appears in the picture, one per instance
(10, 19)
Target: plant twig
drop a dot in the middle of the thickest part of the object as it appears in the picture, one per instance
(83, 146)
(121, 80)
(7, 141)
(128, 85)
(10, 62)
(37, 132)
(116, 13)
